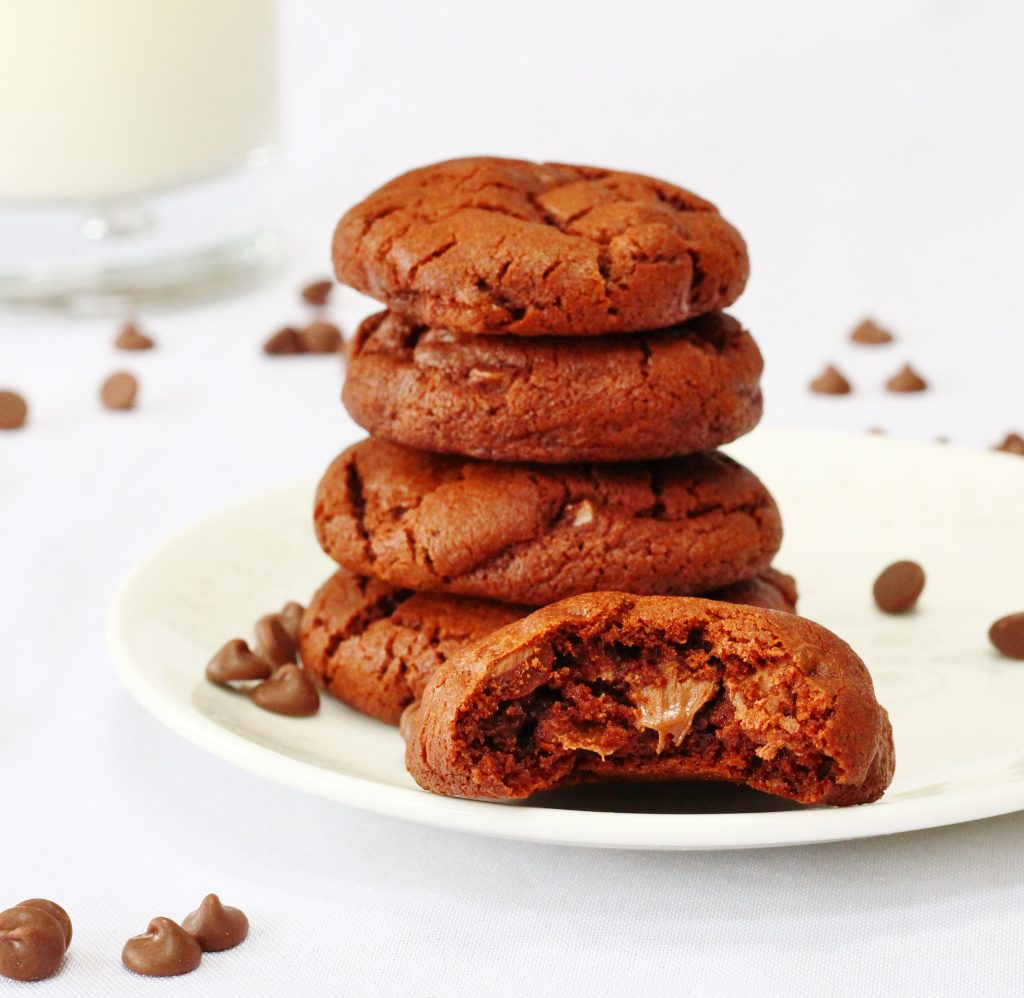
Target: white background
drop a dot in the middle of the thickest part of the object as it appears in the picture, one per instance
(872, 156)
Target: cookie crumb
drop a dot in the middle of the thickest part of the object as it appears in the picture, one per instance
(830, 382)
(870, 333)
(1007, 634)
(1013, 443)
(119, 391)
(13, 411)
(899, 587)
(132, 338)
(906, 380)
(317, 293)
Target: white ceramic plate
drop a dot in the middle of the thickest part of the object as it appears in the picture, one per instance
(851, 505)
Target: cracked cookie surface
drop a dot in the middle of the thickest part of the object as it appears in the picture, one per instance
(529, 533)
(488, 245)
(375, 646)
(612, 686)
(690, 388)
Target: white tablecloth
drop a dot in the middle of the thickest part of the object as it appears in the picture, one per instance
(871, 155)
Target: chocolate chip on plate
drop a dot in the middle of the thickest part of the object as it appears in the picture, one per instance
(285, 342)
(1013, 443)
(830, 382)
(288, 691)
(13, 411)
(1007, 634)
(317, 293)
(899, 587)
(165, 949)
(132, 338)
(32, 944)
(119, 391)
(870, 333)
(216, 926)
(321, 337)
(53, 909)
(236, 663)
(906, 379)
(291, 616)
(273, 642)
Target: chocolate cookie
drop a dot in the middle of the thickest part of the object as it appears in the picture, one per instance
(375, 646)
(610, 686)
(487, 245)
(635, 397)
(528, 533)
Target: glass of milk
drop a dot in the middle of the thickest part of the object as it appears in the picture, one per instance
(136, 149)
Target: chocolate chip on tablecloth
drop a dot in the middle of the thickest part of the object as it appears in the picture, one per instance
(906, 380)
(869, 333)
(317, 293)
(119, 391)
(830, 382)
(1007, 634)
(216, 926)
(32, 943)
(165, 949)
(899, 587)
(13, 411)
(132, 338)
(321, 337)
(284, 342)
(1013, 443)
(288, 691)
(53, 909)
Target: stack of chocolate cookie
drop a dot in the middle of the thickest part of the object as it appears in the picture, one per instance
(545, 395)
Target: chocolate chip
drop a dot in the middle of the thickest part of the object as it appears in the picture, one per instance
(119, 391)
(317, 292)
(236, 663)
(898, 588)
(877, 431)
(165, 949)
(830, 382)
(216, 927)
(320, 337)
(870, 333)
(13, 411)
(1012, 444)
(32, 944)
(1007, 634)
(291, 618)
(54, 910)
(273, 642)
(132, 338)
(288, 691)
(906, 380)
(284, 342)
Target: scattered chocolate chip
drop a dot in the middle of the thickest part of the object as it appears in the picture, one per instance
(317, 293)
(1012, 444)
(288, 691)
(1007, 634)
(216, 927)
(320, 337)
(132, 338)
(877, 431)
(54, 910)
(32, 944)
(13, 411)
(942, 440)
(830, 382)
(898, 588)
(291, 617)
(236, 663)
(870, 333)
(273, 642)
(165, 949)
(284, 342)
(119, 391)
(906, 380)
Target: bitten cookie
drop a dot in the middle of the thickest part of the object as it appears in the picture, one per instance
(610, 686)
(533, 534)
(486, 245)
(375, 646)
(635, 397)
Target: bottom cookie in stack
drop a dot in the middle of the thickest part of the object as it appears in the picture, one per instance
(375, 646)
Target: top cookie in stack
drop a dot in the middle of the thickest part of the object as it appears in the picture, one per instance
(544, 396)
(585, 262)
